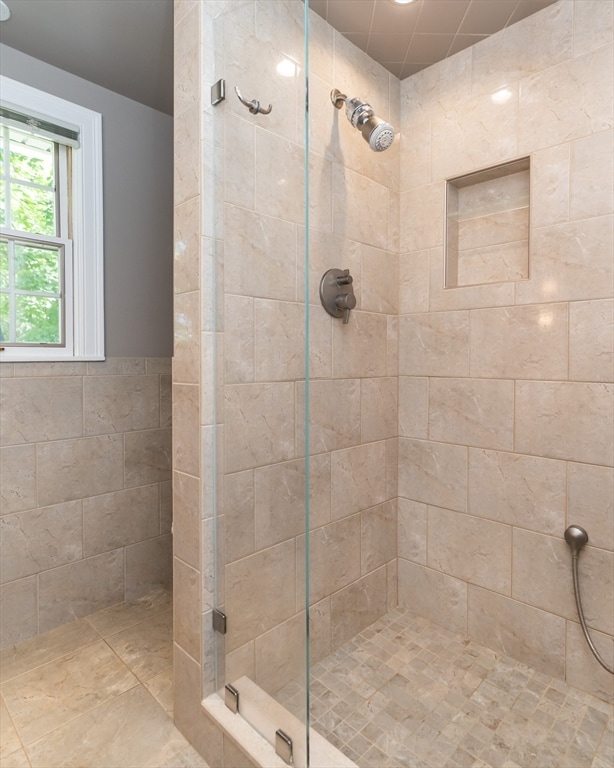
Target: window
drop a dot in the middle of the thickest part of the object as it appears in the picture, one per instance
(51, 256)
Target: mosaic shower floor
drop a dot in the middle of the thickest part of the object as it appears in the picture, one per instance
(406, 692)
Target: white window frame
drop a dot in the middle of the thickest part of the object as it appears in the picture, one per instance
(84, 278)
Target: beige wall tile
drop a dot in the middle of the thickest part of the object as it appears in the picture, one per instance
(411, 530)
(590, 502)
(506, 226)
(380, 280)
(186, 269)
(186, 516)
(279, 168)
(39, 539)
(543, 578)
(166, 401)
(148, 566)
(334, 415)
(434, 473)
(327, 251)
(591, 176)
(33, 409)
(565, 420)
(259, 255)
(259, 424)
(280, 654)
(41, 369)
(519, 342)
(378, 536)
(147, 457)
(186, 360)
(357, 606)
(591, 340)
(187, 60)
(268, 576)
(581, 668)
(360, 208)
(166, 506)
(120, 403)
(335, 557)
(73, 469)
(238, 339)
(78, 589)
(240, 515)
(550, 186)
(392, 584)
(19, 614)
(279, 340)
(360, 347)
(358, 478)
(578, 94)
(187, 155)
(17, 478)
(413, 406)
(421, 212)
(495, 263)
(434, 595)
(476, 412)
(186, 595)
(240, 178)
(477, 129)
(279, 493)
(525, 491)
(186, 431)
(319, 630)
(392, 368)
(392, 468)
(472, 549)
(593, 26)
(414, 282)
(378, 408)
(114, 520)
(118, 366)
(467, 297)
(241, 662)
(532, 636)
(434, 344)
(189, 715)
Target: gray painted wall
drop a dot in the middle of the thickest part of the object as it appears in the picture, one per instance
(138, 207)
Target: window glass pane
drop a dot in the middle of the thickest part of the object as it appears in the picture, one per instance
(32, 210)
(4, 264)
(2, 205)
(37, 320)
(5, 328)
(32, 158)
(37, 269)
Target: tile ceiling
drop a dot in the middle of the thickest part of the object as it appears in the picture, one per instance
(408, 38)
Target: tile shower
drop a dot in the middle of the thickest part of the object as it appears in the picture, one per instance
(455, 431)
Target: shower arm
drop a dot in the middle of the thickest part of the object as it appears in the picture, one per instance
(338, 98)
(576, 537)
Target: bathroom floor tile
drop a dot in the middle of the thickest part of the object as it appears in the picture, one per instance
(146, 648)
(131, 730)
(161, 688)
(56, 693)
(17, 759)
(41, 649)
(9, 740)
(110, 621)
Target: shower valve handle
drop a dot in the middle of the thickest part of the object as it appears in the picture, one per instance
(345, 302)
(337, 293)
(345, 279)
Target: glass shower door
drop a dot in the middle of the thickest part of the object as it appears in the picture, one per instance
(256, 137)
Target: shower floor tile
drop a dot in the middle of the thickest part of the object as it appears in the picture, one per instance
(407, 693)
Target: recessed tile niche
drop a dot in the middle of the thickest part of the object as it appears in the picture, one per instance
(487, 225)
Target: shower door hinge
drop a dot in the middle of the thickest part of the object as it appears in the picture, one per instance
(219, 621)
(283, 746)
(231, 698)
(218, 92)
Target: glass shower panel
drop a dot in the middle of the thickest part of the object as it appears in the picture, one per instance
(257, 211)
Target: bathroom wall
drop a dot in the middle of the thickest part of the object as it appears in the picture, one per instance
(505, 389)
(85, 447)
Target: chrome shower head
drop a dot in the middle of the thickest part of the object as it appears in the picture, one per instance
(376, 132)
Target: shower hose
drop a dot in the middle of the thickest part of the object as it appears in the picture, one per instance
(577, 537)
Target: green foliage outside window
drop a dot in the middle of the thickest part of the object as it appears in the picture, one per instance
(30, 274)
